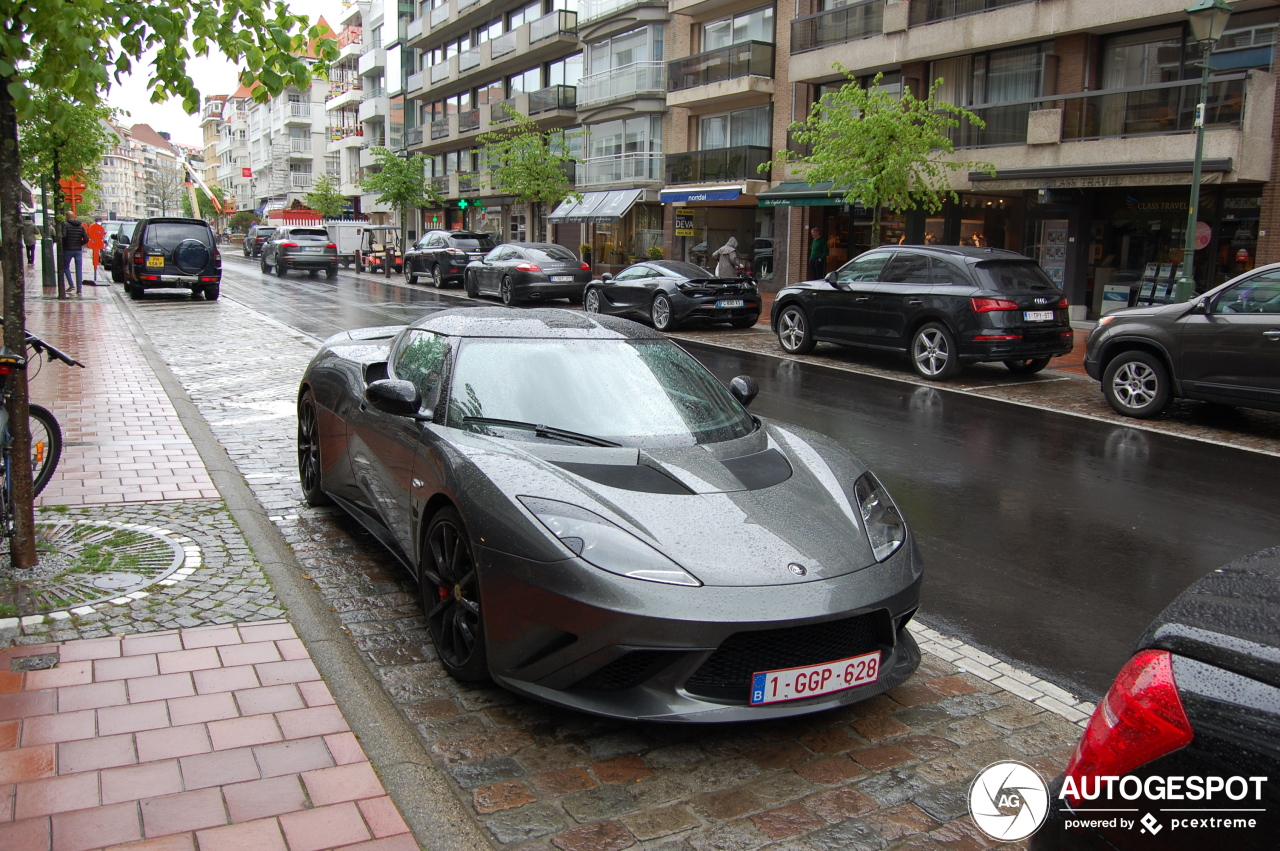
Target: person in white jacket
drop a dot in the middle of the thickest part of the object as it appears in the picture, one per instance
(727, 261)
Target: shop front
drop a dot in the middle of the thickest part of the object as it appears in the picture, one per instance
(705, 218)
(617, 228)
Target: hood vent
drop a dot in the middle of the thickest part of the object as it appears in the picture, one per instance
(761, 470)
(630, 477)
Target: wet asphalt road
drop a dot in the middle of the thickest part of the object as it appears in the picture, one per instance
(1048, 539)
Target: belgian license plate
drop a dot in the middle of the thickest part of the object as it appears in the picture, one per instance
(799, 683)
(559, 279)
(730, 302)
(310, 248)
(155, 261)
(1038, 315)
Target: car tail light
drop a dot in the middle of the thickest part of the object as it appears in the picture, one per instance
(457, 252)
(1139, 720)
(140, 257)
(288, 245)
(208, 279)
(990, 337)
(1068, 333)
(331, 245)
(528, 267)
(150, 277)
(586, 268)
(987, 305)
(217, 255)
(1062, 303)
(6, 369)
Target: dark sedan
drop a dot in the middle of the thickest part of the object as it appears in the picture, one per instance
(256, 238)
(595, 521)
(942, 307)
(442, 255)
(532, 271)
(309, 249)
(1186, 744)
(1223, 347)
(111, 257)
(668, 293)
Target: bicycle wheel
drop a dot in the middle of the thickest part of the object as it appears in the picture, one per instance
(46, 447)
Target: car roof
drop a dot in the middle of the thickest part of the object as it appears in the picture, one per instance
(970, 253)
(466, 234)
(162, 220)
(533, 245)
(541, 323)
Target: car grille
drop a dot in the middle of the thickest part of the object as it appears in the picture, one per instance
(726, 674)
(627, 671)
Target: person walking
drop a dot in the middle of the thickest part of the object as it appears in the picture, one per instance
(818, 252)
(74, 236)
(30, 236)
(727, 261)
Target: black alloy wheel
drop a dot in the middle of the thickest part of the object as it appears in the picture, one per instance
(451, 598)
(309, 451)
(436, 280)
(507, 292)
(410, 277)
(933, 352)
(794, 333)
(591, 303)
(1136, 384)
(1027, 366)
(660, 313)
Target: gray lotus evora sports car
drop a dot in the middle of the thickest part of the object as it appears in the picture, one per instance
(595, 521)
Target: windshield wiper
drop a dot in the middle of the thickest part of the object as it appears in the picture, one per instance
(542, 430)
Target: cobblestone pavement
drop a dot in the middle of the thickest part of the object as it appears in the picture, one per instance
(891, 772)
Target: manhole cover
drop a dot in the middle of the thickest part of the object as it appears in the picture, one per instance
(84, 562)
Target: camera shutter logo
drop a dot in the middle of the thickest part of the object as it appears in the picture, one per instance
(1009, 801)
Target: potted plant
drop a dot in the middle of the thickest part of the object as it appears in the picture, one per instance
(655, 252)
(585, 250)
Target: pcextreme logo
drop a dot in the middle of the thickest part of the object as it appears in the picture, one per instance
(1009, 801)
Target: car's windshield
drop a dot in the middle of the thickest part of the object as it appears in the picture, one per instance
(265, 232)
(1014, 277)
(483, 243)
(632, 392)
(684, 270)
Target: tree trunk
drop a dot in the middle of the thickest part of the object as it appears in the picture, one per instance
(22, 547)
(59, 261)
(875, 227)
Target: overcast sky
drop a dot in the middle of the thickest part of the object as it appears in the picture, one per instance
(213, 76)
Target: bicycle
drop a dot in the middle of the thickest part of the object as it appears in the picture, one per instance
(46, 434)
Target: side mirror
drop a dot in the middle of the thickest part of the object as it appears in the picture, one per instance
(831, 279)
(744, 388)
(606, 278)
(391, 396)
(1201, 307)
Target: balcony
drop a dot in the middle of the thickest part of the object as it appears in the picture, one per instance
(374, 104)
(372, 59)
(440, 128)
(413, 136)
(639, 79)
(469, 120)
(469, 60)
(551, 98)
(300, 146)
(212, 109)
(300, 180)
(414, 81)
(595, 10)
(503, 44)
(837, 26)
(469, 183)
(510, 52)
(928, 11)
(440, 72)
(297, 113)
(620, 168)
(440, 182)
(552, 25)
(343, 93)
(415, 30)
(718, 165)
(438, 16)
(727, 73)
(350, 35)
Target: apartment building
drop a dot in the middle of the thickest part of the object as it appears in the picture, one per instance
(119, 197)
(346, 130)
(210, 127)
(162, 175)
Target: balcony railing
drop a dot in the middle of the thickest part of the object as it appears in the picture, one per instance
(635, 80)
(300, 180)
(498, 112)
(747, 59)
(928, 11)
(414, 81)
(350, 35)
(719, 164)
(440, 128)
(337, 132)
(552, 97)
(469, 59)
(370, 94)
(439, 15)
(837, 26)
(502, 45)
(556, 23)
(440, 71)
(374, 43)
(298, 110)
(595, 9)
(413, 136)
(468, 182)
(440, 182)
(339, 87)
(619, 168)
(468, 120)
(300, 146)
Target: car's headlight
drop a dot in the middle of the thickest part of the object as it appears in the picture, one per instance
(885, 528)
(1106, 320)
(605, 545)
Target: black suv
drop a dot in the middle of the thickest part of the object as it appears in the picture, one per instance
(300, 247)
(257, 236)
(443, 255)
(942, 306)
(1222, 347)
(118, 235)
(168, 253)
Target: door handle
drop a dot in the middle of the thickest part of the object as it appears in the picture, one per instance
(861, 299)
(1273, 334)
(914, 301)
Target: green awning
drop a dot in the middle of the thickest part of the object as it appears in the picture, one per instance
(797, 193)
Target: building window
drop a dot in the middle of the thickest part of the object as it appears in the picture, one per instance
(526, 81)
(525, 14)
(734, 129)
(756, 25)
(639, 45)
(635, 135)
(566, 71)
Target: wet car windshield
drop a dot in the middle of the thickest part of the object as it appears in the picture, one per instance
(632, 392)
(1014, 277)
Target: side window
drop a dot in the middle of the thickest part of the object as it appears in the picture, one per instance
(635, 273)
(420, 359)
(494, 254)
(942, 272)
(1259, 294)
(864, 268)
(907, 269)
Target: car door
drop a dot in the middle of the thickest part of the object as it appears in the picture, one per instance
(484, 272)
(905, 285)
(414, 261)
(1232, 353)
(840, 312)
(629, 292)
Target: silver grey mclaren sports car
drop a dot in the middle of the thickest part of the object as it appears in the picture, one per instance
(597, 522)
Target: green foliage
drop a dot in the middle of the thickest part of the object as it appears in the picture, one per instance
(325, 198)
(528, 162)
(879, 150)
(243, 220)
(400, 183)
(55, 149)
(655, 252)
(207, 210)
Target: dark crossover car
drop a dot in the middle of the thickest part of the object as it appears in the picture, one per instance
(669, 293)
(307, 249)
(118, 236)
(169, 253)
(1188, 736)
(443, 255)
(943, 307)
(528, 271)
(596, 522)
(1222, 347)
(256, 238)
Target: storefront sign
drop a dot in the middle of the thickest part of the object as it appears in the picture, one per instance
(680, 196)
(684, 221)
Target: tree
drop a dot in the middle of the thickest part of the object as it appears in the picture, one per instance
(325, 198)
(528, 162)
(878, 150)
(165, 187)
(400, 184)
(243, 220)
(73, 47)
(207, 210)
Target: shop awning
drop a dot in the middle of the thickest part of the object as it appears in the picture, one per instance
(797, 193)
(1104, 170)
(560, 214)
(694, 194)
(598, 207)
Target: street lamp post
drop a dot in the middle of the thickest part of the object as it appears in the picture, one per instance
(1208, 20)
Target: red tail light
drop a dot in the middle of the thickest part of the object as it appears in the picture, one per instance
(332, 245)
(1139, 720)
(990, 337)
(140, 257)
(6, 369)
(288, 245)
(1062, 303)
(217, 255)
(586, 268)
(986, 305)
(528, 267)
(456, 252)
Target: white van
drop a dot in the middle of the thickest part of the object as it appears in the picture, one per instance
(347, 236)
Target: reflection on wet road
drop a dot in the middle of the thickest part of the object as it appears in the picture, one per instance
(1052, 540)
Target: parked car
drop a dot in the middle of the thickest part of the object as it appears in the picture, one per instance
(762, 259)
(168, 253)
(941, 306)
(375, 243)
(1222, 347)
(1199, 700)
(442, 255)
(347, 236)
(668, 293)
(118, 235)
(257, 237)
(570, 491)
(306, 248)
(519, 271)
